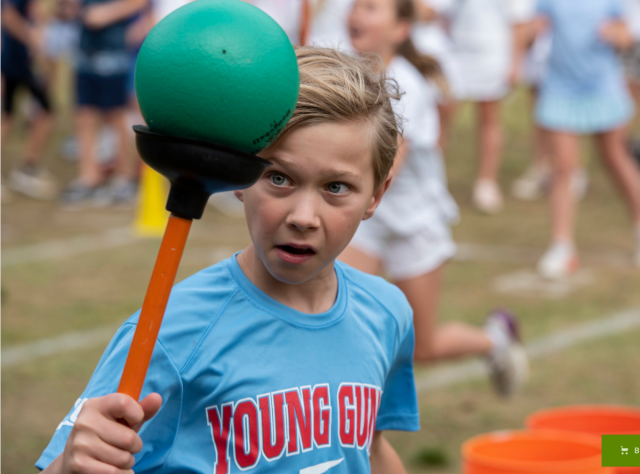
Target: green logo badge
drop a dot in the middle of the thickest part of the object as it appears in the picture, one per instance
(621, 450)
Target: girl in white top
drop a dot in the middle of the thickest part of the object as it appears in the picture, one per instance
(488, 45)
(409, 236)
(431, 37)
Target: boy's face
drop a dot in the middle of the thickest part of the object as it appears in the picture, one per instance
(307, 205)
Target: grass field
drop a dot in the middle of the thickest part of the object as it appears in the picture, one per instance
(53, 297)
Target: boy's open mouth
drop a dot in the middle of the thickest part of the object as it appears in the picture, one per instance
(297, 250)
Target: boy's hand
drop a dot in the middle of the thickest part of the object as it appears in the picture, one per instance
(105, 437)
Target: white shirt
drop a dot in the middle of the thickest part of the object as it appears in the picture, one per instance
(162, 8)
(485, 25)
(418, 196)
(417, 105)
(329, 25)
(287, 13)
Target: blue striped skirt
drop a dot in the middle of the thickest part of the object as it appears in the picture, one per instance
(583, 114)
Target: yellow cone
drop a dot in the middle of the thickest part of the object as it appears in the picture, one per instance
(151, 216)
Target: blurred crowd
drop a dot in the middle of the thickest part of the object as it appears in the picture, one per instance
(483, 49)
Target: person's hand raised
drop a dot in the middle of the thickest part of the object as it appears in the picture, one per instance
(105, 436)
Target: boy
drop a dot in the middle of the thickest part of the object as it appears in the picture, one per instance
(279, 359)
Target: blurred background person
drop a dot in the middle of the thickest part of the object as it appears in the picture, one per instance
(20, 44)
(409, 236)
(535, 182)
(488, 38)
(430, 36)
(102, 67)
(329, 24)
(584, 92)
(631, 61)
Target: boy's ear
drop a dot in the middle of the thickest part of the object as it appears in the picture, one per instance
(377, 197)
(239, 194)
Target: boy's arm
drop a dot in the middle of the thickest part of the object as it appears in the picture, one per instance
(100, 15)
(384, 459)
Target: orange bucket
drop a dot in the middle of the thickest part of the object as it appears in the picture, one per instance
(527, 452)
(593, 419)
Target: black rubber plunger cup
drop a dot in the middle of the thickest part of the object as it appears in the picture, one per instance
(196, 169)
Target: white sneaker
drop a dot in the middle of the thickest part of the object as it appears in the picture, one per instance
(33, 181)
(580, 183)
(487, 196)
(533, 184)
(559, 261)
(508, 361)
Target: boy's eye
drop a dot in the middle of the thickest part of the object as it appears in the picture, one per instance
(279, 179)
(337, 188)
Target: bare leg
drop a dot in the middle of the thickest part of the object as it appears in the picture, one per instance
(563, 203)
(490, 139)
(541, 146)
(117, 118)
(612, 148)
(449, 340)
(634, 88)
(87, 119)
(446, 112)
(37, 139)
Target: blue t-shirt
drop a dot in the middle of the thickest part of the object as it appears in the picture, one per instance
(581, 63)
(15, 55)
(251, 384)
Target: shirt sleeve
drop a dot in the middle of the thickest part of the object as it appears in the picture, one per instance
(399, 402)
(157, 434)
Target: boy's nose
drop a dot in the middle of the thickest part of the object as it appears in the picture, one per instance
(303, 214)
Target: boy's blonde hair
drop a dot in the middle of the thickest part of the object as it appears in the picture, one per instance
(338, 87)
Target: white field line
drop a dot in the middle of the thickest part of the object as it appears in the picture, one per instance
(64, 248)
(425, 382)
(551, 344)
(68, 342)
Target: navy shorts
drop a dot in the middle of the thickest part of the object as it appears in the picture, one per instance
(102, 92)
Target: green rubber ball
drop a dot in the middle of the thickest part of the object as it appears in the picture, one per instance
(218, 70)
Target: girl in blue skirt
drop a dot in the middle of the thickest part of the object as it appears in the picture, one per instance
(584, 92)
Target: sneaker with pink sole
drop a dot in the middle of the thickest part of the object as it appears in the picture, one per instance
(508, 360)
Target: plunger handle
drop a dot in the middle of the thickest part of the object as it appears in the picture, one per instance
(153, 308)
